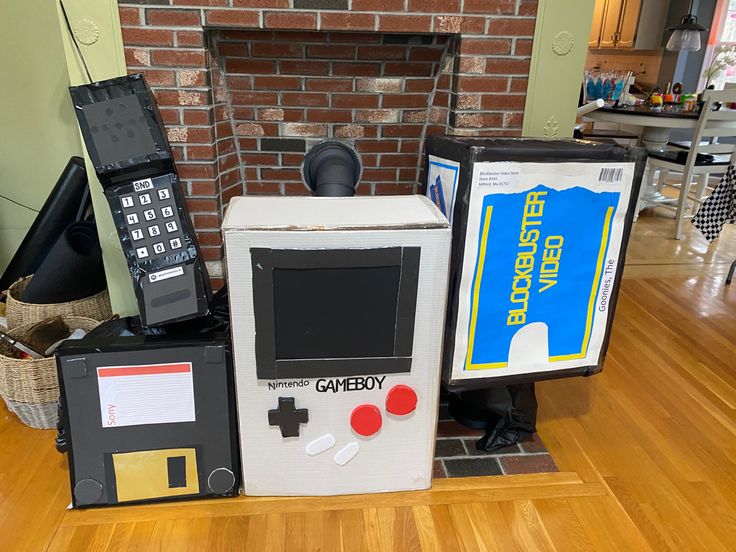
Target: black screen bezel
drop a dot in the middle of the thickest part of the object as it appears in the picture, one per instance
(264, 260)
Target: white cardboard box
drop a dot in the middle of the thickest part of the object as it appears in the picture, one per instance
(328, 456)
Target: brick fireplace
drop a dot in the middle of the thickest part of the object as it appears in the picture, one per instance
(245, 87)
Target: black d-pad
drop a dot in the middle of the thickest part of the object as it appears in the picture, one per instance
(287, 417)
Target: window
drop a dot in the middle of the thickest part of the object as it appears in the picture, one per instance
(719, 65)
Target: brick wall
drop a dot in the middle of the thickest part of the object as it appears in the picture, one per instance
(287, 90)
(245, 86)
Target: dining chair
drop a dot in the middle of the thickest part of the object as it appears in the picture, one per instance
(706, 156)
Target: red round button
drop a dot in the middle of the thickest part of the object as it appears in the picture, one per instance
(366, 420)
(401, 400)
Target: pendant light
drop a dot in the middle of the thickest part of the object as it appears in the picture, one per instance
(686, 35)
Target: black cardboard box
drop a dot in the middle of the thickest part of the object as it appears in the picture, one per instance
(540, 229)
(149, 418)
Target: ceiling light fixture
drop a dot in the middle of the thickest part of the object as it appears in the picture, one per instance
(686, 35)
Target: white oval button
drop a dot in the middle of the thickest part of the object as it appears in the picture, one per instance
(347, 453)
(320, 444)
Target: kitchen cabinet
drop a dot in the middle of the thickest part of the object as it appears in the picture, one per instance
(595, 31)
(628, 24)
(610, 26)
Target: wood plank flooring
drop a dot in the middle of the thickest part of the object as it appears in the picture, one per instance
(646, 452)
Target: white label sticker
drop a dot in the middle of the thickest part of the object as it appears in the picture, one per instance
(140, 185)
(146, 394)
(499, 178)
(166, 274)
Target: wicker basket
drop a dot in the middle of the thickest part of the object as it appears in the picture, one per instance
(30, 388)
(38, 416)
(19, 313)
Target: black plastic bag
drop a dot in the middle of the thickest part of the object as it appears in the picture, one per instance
(507, 414)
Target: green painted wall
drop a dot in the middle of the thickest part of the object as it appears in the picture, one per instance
(97, 23)
(556, 73)
(38, 130)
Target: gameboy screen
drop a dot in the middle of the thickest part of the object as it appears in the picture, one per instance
(118, 129)
(335, 312)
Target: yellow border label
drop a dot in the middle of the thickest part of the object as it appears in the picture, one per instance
(469, 365)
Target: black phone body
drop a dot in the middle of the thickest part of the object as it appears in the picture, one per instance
(126, 140)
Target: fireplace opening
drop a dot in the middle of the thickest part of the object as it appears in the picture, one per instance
(280, 92)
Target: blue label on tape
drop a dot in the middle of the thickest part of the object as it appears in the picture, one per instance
(437, 195)
(442, 178)
(541, 257)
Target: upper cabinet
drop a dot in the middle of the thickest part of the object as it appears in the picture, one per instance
(611, 27)
(628, 27)
(595, 31)
(628, 24)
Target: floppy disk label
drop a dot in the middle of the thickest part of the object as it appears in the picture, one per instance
(146, 394)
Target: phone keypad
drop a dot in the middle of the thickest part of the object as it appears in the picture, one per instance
(142, 212)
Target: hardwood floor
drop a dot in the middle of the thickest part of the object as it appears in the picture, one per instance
(646, 451)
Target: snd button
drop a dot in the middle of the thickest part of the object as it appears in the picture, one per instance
(366, 420)
(401, 400)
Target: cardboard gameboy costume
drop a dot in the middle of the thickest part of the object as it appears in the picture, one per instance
(337, 309)
(149, 417)
(540, 229)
